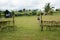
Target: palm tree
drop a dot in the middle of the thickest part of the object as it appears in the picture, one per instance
(48, 9)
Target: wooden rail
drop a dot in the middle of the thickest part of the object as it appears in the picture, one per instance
(4, 24)
(50, 24)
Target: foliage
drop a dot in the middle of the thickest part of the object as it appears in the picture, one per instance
(24, 10)
(0, 14)
(20, 11)
(57, 9)
(34, 12)
(7, 14)
(48, 9)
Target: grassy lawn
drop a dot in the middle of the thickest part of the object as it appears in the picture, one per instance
(28, 29)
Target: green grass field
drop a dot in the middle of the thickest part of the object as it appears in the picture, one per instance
(28, 28)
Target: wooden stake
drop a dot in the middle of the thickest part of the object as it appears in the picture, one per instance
(41, 22)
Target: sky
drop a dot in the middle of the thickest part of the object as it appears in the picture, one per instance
(27, 4)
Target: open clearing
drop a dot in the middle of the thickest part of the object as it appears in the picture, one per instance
(28, 29)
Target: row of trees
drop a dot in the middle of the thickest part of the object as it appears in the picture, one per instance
(48, 10)
(25, 12)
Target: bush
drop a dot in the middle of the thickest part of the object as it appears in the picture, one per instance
(18, 14)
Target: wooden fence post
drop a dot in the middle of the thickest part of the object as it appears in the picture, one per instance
(0, 15)
(13, 19)
(41, 22)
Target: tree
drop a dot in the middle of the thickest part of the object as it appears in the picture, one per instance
(48, 9)
(20, 11)
(57, 9)
(7, 14)
(24, 10)
(0, 14)
(34, 12)
(6, 11)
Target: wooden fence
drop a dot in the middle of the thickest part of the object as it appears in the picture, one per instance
(5, 25)
(50, 24)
